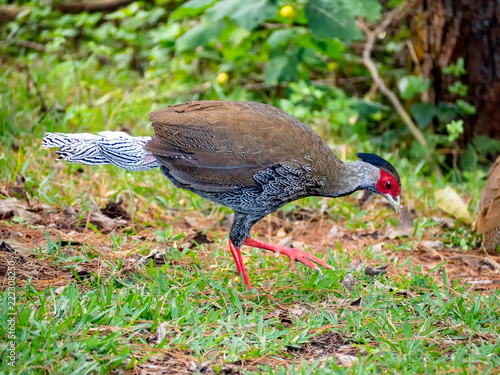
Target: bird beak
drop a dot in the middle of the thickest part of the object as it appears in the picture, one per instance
(394, 202)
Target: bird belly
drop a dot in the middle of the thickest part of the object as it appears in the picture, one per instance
(274, 187)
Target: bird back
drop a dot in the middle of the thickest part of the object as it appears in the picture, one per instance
(215, 144)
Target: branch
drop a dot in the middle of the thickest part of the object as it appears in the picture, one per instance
(101, 6)
(32, 45)
(397, 14)
(9, 12)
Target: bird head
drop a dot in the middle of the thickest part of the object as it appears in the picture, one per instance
(389, 183)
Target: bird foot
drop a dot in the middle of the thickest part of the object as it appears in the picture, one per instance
(303, 257)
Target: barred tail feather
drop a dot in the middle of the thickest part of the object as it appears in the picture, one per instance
(115, 148)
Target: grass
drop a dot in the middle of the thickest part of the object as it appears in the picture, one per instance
(110, 320)
(90, 302)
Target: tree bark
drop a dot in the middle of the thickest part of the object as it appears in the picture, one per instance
(469, 29)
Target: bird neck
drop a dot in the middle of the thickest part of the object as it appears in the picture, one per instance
(349, 177)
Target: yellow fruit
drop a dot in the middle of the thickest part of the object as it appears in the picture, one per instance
(222, 78)
(332, 66)
(287, 11)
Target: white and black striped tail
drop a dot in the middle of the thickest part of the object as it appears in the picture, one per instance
(116, 148)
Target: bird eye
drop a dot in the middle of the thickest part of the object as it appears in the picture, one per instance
(388, 185)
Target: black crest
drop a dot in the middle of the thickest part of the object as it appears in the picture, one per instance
(381, 163)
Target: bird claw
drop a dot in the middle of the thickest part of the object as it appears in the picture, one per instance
(303, 257)
(304, 261)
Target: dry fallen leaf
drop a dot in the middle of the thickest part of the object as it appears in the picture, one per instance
(286, 242)
(281, 232)
(102, 222)
(357, 266)
(374, 271)
(161, 332)
(197, 238)
(405, 224)
(386, 288)
(489, 263)
(336, 231)
(115, 210)
(6, 247)
(12, 208)
(449, 201)
(346, 360)
(349, 282)
(356, 302)
(433, 245)
(299, 311)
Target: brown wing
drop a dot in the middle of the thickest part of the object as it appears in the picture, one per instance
(218, 146)
(489, 204)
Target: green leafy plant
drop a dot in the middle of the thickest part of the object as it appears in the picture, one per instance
(411, 86)
(455, 129)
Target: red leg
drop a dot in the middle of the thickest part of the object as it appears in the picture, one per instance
(238, 259)
(294, 254)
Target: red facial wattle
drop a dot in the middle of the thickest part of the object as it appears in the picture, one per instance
(387, 184)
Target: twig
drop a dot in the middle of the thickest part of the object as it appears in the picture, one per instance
(32, 45)
(413, 55)
(418, 68)
(100, 6)
(397, 13)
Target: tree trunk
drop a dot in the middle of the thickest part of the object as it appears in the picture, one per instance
(469, 29)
